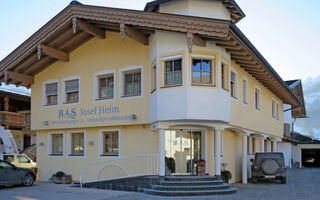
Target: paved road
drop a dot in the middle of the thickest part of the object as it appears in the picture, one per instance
(302, 184)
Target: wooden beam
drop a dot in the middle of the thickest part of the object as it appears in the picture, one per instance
(22, 78)
(89, 28)
(198, 41)
(245, 61)
(55, 53)
(238, 52)
(241, 57)
(136, 35)
(229, 46)
(226, 42)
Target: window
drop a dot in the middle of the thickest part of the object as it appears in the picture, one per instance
(153, 78)
(23, 159)
(245, 91)
(71, 91)
(201, 71)
(111, 143)
(51, 90)
(105, 86)
(57, 144)
(6, 165)
(132, 85)
(223, 76)
(8, 158)
(233, 84)
(173, 72)
(275, 110)
(257, 99)
(77, 144)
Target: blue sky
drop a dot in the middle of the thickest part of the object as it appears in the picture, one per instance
(285, 31)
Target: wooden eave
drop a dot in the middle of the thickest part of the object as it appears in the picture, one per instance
(77, 24)
(63, 34)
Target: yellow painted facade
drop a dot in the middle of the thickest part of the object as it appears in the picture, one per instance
(139, 135)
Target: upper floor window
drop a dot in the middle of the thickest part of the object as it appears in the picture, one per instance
(257, 99)
(132, 83)
(275, 110)
(153, 78)
(223, 76)
(71, 89)
(105, 86)
(245, 91)
(202, 71)
(173, 72)
(51, 90)
(233, 84)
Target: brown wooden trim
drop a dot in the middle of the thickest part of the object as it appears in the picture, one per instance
(136, 35)
(55, 53)
(91, 29)
(19, 77)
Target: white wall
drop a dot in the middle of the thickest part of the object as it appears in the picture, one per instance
(296, 154)
(285, 148)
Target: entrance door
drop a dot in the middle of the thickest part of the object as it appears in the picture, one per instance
(183, 151)
(26, 141)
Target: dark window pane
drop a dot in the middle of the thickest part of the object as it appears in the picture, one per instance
(196, 77)
(129, 78)
(178, 65)
(206, 77)
(169, 67)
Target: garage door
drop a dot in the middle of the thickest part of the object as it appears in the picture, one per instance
(310, 157)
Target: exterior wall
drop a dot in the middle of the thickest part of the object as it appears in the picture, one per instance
(247, 116)
(132, 142)
(201, 8)
(93, 57)
(296, 154)
(286, 149)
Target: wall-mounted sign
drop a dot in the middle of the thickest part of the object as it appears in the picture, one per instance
(98, 114)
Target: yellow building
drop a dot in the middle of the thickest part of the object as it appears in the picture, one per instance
(152, 92)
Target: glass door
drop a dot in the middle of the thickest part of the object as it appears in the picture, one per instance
(183, 152)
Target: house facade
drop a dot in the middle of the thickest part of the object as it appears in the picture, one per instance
(178, 83)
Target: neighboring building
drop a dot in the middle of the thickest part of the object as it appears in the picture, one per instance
(177, 83)
(295, 146)
(15, 116)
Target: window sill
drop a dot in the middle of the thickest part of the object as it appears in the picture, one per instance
(204, 85)
(234, 98)
(153, 91)
(125, 96)
(103, 99)
(66, 103)
(60, 155)
(50, 105)
(225, 89)
(76, 155)
(171, 86)
(111, 155)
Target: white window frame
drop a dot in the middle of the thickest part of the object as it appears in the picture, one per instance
(275, 110)
(245, 96)
(235, 97)
(44, 96)
(69, 146)
(205, 57)
(225, 63)
(154, 66)
(163, 63)
(257, 105)
(121, 81)
(50, 145)
(70, 78)
(101, 134)
(96, 84)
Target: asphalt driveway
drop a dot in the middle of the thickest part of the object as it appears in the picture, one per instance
(302, 184)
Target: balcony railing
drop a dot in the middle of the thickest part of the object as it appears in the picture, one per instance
(12, 119)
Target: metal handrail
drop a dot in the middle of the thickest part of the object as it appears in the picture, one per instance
(91, 172)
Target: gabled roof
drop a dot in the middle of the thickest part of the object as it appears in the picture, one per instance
(235, 11)
(78, 23)
(296, 87)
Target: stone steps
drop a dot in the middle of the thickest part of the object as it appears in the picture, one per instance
(189, 186)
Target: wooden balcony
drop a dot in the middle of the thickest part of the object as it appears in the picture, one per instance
(12, 119)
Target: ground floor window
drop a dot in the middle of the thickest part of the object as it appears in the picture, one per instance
(110, 143)
(56, 144)
(77, 144)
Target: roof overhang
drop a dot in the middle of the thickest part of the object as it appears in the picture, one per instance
(236, 14)
(77, 24)
(296, 87)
